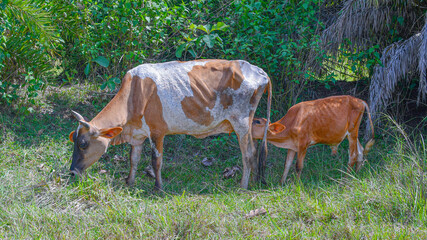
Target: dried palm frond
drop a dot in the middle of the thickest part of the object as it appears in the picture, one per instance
(399, 59)
(422, 65)
(363, 21)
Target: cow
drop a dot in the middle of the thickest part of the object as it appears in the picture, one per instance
(198, 98)
(327, 121)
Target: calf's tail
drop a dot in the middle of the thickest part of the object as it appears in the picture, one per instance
(262, 153)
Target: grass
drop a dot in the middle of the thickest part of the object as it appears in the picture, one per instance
(38, 199)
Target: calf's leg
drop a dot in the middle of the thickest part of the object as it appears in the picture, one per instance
(300, 160)
(360, 159)
(355, 152)
(288, 163)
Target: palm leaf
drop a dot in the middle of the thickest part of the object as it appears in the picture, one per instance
(364, 22)
(399, 60)
(36, 21)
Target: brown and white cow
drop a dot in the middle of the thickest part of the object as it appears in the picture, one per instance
(327, 121)
(198, 98)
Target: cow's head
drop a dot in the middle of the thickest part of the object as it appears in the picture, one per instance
(258, 126)
(89, 143)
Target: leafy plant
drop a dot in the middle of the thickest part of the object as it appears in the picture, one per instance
(28, 43)
(195, 41)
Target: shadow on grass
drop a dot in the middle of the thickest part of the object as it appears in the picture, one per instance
(183, 171)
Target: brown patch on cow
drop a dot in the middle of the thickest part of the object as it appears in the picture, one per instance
(146, 103)
(226, 100)
(197, 113)
(115, 113)
(154, 114)
(207, 82)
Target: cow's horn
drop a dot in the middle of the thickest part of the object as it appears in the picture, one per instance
(77, 116)
(85, 124)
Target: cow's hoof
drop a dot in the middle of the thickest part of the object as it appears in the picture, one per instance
(158, 189)
(130, 182)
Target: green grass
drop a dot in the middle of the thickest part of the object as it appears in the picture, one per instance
(38, 199)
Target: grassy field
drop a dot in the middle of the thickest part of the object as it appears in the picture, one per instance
(39, 200)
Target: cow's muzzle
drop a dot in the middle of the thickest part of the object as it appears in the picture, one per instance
(75, 172)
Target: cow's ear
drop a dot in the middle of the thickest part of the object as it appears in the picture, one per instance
(276, 127)
(110, 132)
(71, 136)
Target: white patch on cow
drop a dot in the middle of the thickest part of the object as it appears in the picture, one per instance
(139, 135)
(156, 152)
(240, 109)
(345, 135)
(173, 85)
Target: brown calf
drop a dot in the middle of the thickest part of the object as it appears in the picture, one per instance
(327, 121)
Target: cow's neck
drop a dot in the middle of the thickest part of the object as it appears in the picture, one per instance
(115, 114)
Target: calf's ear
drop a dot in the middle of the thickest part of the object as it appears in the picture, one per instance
(110, 132)
(71, 136)
(276, 127)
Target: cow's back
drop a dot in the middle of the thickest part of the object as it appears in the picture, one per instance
(197, 96)
(326, 120)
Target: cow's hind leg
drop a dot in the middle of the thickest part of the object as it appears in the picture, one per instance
(157, 159)
(135, 156)
(355, 152)
(288, 163)
(360, 159)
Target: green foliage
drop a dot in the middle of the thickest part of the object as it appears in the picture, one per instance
(196, 41)
(102, 39)
(361, 63)
(278, 37)
(28, 42)
(117, 35)
(67, 42)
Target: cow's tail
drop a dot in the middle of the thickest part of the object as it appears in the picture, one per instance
(262, 155)
(371, 141)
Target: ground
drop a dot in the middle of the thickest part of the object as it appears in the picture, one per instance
(38, 198)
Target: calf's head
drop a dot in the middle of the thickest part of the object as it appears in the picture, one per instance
(89, 143)
(258, 127)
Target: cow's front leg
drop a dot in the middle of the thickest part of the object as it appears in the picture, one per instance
(135, 156)
(157, 159)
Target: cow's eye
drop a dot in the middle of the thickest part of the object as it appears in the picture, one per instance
(83, 144)
(256, 122)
